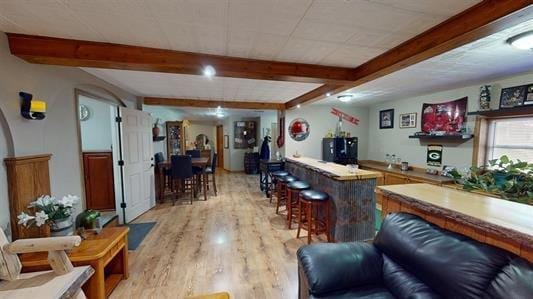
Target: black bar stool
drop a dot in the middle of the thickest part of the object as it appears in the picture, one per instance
(293, 195)
(310, 204)
(282, 195)
(274, 185)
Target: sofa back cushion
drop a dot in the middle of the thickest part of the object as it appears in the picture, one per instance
(515, 281)
(453, 265)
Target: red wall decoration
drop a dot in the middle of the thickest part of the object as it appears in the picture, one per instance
(345, 116)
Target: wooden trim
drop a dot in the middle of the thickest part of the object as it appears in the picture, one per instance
(80, 53)
(479, 21)
(27, 159)
(211, 104)
(116, 101)
(479, 147)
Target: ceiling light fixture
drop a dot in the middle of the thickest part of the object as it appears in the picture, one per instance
(209, 71)
(345, 98)
(522, 41)
(298, 106)
(328, 94)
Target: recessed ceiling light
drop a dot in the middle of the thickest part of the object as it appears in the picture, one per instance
(345, 97)
(298, 106)
(328, 94)
(209, 71)
(522, 41)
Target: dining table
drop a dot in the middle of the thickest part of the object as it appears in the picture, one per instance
(200, 163)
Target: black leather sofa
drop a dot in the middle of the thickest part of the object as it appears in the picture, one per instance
(411, 258)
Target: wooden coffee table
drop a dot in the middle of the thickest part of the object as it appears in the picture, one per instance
(106, 253)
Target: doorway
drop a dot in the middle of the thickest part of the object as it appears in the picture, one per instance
(220, 146)
(117, 156)
(99, 144)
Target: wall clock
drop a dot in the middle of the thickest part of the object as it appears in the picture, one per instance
(85, 113)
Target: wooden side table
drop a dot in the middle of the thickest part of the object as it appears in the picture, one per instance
(106, 253)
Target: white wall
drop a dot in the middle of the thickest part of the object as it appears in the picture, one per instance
(414, 151)
(58, 133)
(320, 122)
(96, 131)
(164, 115)
(4, 199)
(195, 129)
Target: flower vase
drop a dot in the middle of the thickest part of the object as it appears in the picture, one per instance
(62, 227)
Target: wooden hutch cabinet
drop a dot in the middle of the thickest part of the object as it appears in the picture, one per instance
(175, 138)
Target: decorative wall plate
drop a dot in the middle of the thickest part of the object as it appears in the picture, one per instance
(85, 113)
(299, 129)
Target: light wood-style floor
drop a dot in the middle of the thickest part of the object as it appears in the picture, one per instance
(233, 242)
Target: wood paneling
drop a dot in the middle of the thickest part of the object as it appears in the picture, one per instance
(99, 180)
(211, 104)
(392, 179)
(28, 178)
(79, 53)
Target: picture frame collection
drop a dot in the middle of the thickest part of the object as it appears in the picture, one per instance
(516, 96)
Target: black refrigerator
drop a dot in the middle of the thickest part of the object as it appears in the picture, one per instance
(340, 150)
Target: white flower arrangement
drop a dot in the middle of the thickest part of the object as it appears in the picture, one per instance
(48, 209)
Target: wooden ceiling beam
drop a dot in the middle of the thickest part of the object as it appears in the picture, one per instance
(173, 102)
(78, 53)
(314, 95)
(479, 21)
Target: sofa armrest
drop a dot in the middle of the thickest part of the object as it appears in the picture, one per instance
(330, 267)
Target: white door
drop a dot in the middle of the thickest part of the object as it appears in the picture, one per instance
(139, 185)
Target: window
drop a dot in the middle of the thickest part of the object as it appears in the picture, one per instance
(512, 137)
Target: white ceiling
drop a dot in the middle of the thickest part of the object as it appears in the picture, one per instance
(329, 32)
(485, 59)
(199, 87)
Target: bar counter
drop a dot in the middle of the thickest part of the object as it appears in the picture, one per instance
(351, 195)
(498, 222)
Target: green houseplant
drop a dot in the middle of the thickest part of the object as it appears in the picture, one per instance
(511, 180)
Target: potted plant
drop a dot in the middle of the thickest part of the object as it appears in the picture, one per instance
(57, 213)
(511, 180)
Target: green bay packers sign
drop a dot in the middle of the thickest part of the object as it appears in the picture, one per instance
(434, 157)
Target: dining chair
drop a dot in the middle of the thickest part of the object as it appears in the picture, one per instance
(193, 153)
(210, 170)
(182, 171)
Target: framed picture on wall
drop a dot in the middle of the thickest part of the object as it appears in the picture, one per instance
(529, 95)
(386, 119)
(513, 96)
(408, 120)
(226, 141)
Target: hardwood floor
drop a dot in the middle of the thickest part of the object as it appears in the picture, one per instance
(233, 242)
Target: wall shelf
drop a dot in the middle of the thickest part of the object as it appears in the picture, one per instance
(443, 137)
(158, 138)
(516, 111)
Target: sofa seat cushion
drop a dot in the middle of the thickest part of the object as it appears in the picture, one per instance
(452, 265)
(366, 292)
(403, 284)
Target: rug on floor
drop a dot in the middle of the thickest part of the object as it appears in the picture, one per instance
(138, 232)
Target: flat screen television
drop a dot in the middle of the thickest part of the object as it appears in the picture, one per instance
(446, 118)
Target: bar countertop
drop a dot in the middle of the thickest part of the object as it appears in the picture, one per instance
(333, 170)
(492, 213)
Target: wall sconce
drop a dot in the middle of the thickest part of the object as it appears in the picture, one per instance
(31, 109)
